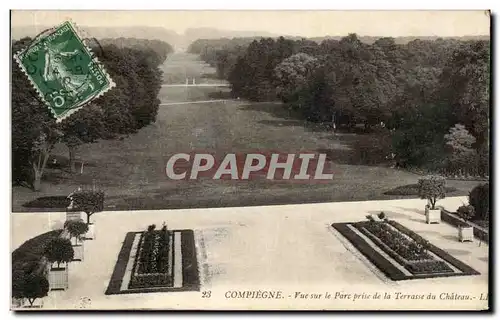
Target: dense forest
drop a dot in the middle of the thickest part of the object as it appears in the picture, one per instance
(132, 104)
(424, 103)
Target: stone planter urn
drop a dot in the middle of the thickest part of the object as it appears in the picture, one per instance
(432, 215)
(58, 277)
(78, 252)
(90, 235)
(465, 233)
(465, 230)
(73, 215)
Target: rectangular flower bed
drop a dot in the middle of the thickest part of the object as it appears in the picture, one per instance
(151, 267)
(154, 269)
(400, 253)
(408, 252)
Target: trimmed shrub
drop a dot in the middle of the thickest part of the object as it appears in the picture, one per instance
(25, 262)
(28, 255)
(479, 198)
(432, 188)
(465, 212)
(59, 250)
(76, 228)
(33, 286)
(18, 276)
(88, 201)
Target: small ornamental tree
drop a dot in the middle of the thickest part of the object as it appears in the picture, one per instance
(76, 228)
(432, 188)
(35, 286)
(89, 201)
(59, 250)
(466, 213)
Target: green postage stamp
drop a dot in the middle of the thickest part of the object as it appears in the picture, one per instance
(63, 70)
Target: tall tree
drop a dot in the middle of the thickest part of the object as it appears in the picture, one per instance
(85, 126)
(293, 73)
(34, 131)
(466, 85)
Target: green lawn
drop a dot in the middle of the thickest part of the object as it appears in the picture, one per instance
(132, 170)
(181, 66)
(182, 94)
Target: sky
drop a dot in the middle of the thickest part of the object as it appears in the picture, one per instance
(300, 23)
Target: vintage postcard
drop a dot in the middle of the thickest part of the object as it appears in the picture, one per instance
(250, 160)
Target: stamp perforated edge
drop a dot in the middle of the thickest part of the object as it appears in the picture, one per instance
(82, 37)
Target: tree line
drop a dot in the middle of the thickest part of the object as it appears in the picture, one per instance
(133, 64)
(425, 103)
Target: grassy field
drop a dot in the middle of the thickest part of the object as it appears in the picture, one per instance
(132, 170)
(181, 66)
(182, 94)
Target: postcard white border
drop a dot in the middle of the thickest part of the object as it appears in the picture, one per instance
(194, 5)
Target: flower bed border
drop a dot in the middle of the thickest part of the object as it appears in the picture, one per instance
(438, 251)
(387, 267)
(190, 270)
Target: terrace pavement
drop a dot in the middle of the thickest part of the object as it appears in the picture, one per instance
(290, 248)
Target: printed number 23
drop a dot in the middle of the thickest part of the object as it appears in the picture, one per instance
(206, 294)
